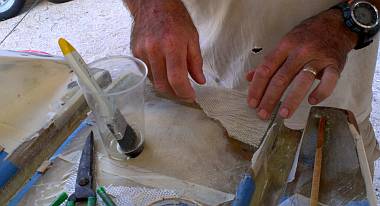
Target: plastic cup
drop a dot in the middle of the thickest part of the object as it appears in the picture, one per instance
(126, 94)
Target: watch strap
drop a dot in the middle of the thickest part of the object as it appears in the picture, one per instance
(365, 37)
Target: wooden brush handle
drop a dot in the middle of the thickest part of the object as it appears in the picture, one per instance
(318, 163)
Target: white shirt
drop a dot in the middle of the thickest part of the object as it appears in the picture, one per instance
(230, 29)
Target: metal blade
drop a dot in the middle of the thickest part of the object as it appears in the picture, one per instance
(84, 186)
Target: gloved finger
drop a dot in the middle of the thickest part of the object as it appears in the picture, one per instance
(195, 62)
(301, 85)
(326, 86)
(177, 74)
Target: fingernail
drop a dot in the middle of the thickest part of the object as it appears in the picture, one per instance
(313, 100)
(284, 112)
(263, 114)
(253, 103)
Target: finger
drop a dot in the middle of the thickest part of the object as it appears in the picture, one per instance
(145, 60)
(177, 73)
(195, 62)
(250, 75)
(302, 83)
(326, 86)
(277, 86)
(138, 53)
(158, 72)
(263, 74)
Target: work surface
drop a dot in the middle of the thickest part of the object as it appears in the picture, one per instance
(184, 151)
(103, 28)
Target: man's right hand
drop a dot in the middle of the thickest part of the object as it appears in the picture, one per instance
(165, 38)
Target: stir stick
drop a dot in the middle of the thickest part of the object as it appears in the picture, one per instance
(318, 163)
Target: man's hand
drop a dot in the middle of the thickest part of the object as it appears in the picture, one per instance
(165, 38)
(322, 43)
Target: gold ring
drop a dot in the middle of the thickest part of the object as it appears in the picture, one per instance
(311, 70)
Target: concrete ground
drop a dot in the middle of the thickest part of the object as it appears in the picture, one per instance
(98, 28)
(375, 119)
(95, 27)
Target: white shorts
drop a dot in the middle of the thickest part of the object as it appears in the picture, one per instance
(370, 142)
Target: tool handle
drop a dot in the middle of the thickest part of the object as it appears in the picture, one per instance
(106, 199)
(91, 201)
(81, 69)
(316, 178)
(60, 199)
(70, 203)
(244, 191)
(85, 79)
(318, 163)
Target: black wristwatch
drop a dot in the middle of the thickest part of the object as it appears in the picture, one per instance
(362, 18)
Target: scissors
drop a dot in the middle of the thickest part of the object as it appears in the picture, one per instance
(84, 184)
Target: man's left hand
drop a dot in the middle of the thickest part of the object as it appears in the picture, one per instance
(321, 44)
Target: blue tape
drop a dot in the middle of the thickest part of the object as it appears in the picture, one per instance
(283, 198)
(60, 149)
(7, 171)
(358, 203)
(25, 189)
(286, 200)
(244, 191)
(3, 155)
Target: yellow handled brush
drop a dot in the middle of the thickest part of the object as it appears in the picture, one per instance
(115, 121)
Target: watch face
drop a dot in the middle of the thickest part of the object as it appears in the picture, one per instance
(365, 15)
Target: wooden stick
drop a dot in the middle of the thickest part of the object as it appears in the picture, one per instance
(318, 163)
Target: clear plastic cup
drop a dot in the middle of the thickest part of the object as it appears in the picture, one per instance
(125, 93)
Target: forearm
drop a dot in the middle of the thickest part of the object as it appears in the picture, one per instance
(154, 7)
(335, 18)
(134, 6)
